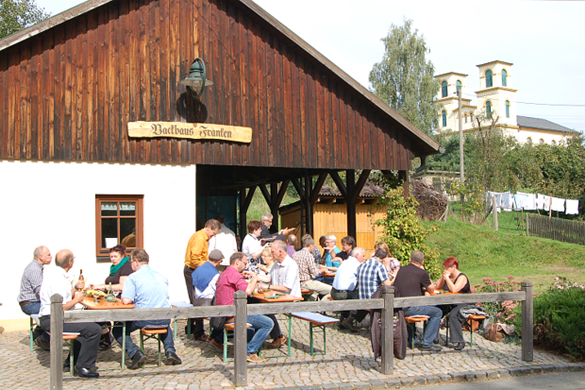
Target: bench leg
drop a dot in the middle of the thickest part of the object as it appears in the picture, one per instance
(31, 333)
(71, 364)
(311, 338)
(225, 341)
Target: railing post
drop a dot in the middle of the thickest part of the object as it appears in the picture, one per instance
(527, 322)
(56, 342)
(387, 334)
(240, 339)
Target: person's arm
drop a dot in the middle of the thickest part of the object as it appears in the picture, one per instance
(126, 301)
(196, 251)
(441, 281)
(431, 288)
(456, 287)
(252, 284)
(76, 297)
(283, 289)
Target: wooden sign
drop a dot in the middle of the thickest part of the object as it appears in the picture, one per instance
(190, 131)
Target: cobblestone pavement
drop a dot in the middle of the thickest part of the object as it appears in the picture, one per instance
(348, 364)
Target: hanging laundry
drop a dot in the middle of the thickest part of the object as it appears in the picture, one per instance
(524, 201)
(543, 202)
(558, 204)
(572, 207)
(530, 202)
(506, 201)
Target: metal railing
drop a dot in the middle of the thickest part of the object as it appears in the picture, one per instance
(241, 309)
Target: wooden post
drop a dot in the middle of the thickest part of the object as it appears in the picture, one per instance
(240, 340)
(527, 224)
(495, 208)
(56, 342)
(387, 335)
(350, 203)
(527, 322)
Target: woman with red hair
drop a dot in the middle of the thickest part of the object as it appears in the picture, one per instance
(454, 281)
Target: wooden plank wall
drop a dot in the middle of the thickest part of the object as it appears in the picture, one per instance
(68, 93)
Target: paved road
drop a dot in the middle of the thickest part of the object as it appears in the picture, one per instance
(558, 381)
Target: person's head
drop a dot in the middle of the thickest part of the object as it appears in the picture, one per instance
(292, 240)
(64, 259)
(347, 244)
(267, 255)
(450, 262)
(266, 219)
(322, 241)
(255, 228)
(359, 253)
(211, 227)
(117, 253)
(308, 242)
(139, 258)
(215, 257)
(330, 240)
(220, 219)
(42, 254)
(417, 257)
(279, 250)
(380, 254)
(382, 245)
(239, 261)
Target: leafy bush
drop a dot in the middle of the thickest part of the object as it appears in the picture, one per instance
(559, 318)
(405, 233)
(500, 311)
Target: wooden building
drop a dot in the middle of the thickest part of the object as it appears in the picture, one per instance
(74, 177)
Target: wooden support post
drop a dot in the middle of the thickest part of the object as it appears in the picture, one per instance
(308, 206)
(405, 178)
(56, 342)
(527, 322)
(350, 203)
(245, 201)
(387, 335)
(495, 211)
(240, 339)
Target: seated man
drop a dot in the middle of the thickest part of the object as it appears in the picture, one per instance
(291, 245)
(308, 270)
(230, 281)
(147, 289)
(30, 288)
(86, 345)
(411, 281)
(265, 235)
(345, 287)
(205, 279)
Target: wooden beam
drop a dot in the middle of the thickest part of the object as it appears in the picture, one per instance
(339, 183)
(282, 191)
(265, 193)
(298, 187)
(359, 185)
(318, 185)
(351, 209)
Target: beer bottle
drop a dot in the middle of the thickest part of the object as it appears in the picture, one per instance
(81, 278)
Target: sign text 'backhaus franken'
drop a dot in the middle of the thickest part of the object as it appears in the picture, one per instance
(189, 131)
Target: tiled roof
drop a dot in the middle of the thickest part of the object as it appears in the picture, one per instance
(542, 124)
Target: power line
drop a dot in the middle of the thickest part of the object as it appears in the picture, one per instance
(549, 104)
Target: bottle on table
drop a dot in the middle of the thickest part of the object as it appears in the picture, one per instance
(110, 290)
(81, 279)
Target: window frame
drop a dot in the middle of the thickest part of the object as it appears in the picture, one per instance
(444, 118)
(103, 254)
(489, 80)
(507, 108)
(458, 86)
(488, 108)
(504, 78)
(444, 89)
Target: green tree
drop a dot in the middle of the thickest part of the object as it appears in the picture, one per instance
(404, 79)
(16, 15)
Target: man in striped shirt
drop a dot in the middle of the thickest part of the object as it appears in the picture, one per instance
(30, 287)
(308, 270)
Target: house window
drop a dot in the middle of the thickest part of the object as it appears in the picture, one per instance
(507, 108)
(541, 141)
(553, 142)
(489, 82)
(465, 117)
(458, 87)
(471, 117)
(444, 115)
(504, 78)
(529, 141)
(488, 109)
(444, 89)
(118, 220)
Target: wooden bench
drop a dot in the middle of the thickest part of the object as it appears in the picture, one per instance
(470, 319)
(411, 321)
(229, 327)
(315, 320)
(152, 332)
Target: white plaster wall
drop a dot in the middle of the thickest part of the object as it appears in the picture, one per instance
(53, 204)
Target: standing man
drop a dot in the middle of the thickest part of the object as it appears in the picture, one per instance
(230, 281)
(308, 270)
(224, 240)
(412, 281)
(146, 289)
(55, 281)
(30, 288)
(195, 256)
(345, 287)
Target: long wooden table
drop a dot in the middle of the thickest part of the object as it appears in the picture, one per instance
(102, 304)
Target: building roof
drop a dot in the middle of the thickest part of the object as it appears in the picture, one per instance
(448, 73)
(541, 124)
(495, 61)
(370, 190)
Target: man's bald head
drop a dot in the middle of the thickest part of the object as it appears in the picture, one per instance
(64, 258)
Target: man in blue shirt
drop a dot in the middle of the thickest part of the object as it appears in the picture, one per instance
(147, 289)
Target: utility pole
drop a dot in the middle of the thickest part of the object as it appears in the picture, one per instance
(461, 166)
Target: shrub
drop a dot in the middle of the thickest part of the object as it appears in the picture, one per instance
(503, 312)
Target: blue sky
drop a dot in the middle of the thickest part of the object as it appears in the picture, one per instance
(543, 39)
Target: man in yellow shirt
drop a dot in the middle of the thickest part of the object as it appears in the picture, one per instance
(195, 256)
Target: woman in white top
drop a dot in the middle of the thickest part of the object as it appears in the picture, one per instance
(251, 246)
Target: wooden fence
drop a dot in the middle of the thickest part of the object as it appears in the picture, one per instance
(556, 229)
(241, 309)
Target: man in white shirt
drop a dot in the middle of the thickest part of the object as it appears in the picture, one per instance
(224, 240)
(345, 286)
(55, 281)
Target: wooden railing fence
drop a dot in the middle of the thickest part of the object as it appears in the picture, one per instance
(555, 229)
(241, 309)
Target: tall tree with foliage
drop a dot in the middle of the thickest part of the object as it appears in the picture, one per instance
(404, 79)
(16, 15)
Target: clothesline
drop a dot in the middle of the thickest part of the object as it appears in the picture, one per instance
(525, 201)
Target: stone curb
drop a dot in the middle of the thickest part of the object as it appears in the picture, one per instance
(469, 376)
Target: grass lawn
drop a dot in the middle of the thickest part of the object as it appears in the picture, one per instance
(483, 252)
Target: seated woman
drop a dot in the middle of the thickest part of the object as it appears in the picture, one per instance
(252, 247)
(391, 264)
(267, 260)
(120, 269)
(454, 281)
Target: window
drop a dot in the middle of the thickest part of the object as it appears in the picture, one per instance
(489, 82)
(504, 78)
(444, 89)
(529, 141)
(458, 87)
(118, 220)
(553, 142)
(444, 115)
(465, 117)
(471, 117)
(507, 108)
(541, 141)
(488, 109)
